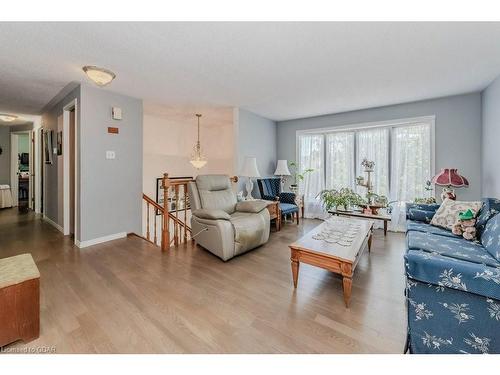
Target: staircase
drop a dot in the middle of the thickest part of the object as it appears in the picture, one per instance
(167, 222)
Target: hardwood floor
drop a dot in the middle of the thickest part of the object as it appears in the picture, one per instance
(125, 296)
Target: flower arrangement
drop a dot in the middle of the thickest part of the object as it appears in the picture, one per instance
(368, 164)
(340, 199)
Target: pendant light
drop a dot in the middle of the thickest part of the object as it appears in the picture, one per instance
(197, 159)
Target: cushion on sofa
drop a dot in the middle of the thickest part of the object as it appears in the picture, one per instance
(447, 214)
(491, 207)
(445, 272)
(491, 236)
(456, 248)
(427, 228)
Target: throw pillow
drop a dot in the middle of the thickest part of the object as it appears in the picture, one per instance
(491, 206)
(491, 237)
(447, 214)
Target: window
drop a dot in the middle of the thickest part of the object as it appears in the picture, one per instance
(402, 152)
(340, 160)
(373, 144)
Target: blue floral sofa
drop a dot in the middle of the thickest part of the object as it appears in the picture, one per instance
(453, 285)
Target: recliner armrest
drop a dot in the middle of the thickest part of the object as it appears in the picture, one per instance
(211, 214)
(251, 206)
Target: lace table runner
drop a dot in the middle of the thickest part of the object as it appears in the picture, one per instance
(337, 230)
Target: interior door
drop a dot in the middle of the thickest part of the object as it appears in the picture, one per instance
(14, 168)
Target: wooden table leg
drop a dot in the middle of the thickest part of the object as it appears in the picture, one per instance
(385, 228)
(295, 266)
(370, 241)
(347, 285)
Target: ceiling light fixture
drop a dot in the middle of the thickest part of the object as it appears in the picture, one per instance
(197, 159)
(100, 76)
(7, 118)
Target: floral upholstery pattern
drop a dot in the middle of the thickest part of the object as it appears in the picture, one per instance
(420, 215)
(491, 236)
(491, 207)
(427, 228)
(453, 290)
(444, 320)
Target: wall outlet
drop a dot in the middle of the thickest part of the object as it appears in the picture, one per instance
(110, 155)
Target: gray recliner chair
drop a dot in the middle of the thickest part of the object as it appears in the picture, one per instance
(222, 225)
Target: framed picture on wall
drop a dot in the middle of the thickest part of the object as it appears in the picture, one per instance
(172, 206)
(59, 143)
(47, 146)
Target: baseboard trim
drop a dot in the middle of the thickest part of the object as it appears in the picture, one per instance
(53, 223)
(95, 241)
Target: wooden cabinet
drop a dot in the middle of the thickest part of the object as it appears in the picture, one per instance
(274, 213)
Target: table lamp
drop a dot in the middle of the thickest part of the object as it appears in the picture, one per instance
(449, 179)
(250, 171)
(282, 171)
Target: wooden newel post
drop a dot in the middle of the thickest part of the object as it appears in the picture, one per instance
(165, 235)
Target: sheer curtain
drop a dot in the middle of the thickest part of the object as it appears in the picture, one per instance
(311, 154)
(373, 144)
(340, 160)
(411, 168)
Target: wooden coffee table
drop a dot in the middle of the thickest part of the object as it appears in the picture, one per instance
(332, 256)
(384, 217)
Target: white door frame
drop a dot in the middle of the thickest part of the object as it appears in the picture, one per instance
(66, 171)
(14, 166)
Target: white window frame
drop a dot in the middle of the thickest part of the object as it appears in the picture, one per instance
(389, 124)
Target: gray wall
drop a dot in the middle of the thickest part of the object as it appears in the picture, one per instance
(51, 207)
(458, 132)
(110, 190)
(491, 140)
(5, 157)
(256, 136)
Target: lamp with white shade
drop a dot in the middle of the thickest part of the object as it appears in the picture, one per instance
(282, 171)
(250, 171)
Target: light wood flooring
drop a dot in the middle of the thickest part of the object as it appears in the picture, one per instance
(125, 296)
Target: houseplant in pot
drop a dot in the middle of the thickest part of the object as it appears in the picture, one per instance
(297, 175)
(341, 200)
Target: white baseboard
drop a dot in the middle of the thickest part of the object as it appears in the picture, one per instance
(53, 223)
(95, 241)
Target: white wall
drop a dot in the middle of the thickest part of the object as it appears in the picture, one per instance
(169, 137)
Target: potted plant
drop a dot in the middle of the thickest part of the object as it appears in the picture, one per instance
(341, 200)
(297, 176)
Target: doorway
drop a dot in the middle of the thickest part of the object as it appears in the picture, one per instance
(22, 167)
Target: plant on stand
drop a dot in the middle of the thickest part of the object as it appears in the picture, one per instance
(297, 175)
(426, 200)
(341, 200)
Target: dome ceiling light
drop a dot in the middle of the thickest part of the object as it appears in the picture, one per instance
(7, 118)
(100, 76)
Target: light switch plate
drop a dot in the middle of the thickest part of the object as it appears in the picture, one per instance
(55, 150)
(110, 155)
(116, 113)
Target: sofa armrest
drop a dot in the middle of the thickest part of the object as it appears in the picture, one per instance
(251, 206)
(420, 215)
(421, 210)
(211, 214)
(287, 197)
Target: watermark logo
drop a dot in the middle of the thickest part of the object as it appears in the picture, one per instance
(42, 349)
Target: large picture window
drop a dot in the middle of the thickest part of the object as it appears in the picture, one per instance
(402, 152)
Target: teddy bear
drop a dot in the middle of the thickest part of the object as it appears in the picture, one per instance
(465, 226)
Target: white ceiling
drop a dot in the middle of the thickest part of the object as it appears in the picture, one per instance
(278, 70)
